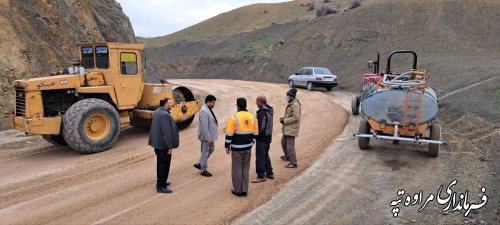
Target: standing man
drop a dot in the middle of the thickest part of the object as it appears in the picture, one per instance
(241, 131)
(265, 122)
(291, 126)
(207, 134)
(163, 137)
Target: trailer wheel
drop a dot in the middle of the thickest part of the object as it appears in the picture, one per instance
(91, 126)
(435, 136)
(355, 105)
(364, 128)
(55, 139)
(185, 124)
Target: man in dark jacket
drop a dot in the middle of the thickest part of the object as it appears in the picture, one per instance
(163, 137)
(263, 165)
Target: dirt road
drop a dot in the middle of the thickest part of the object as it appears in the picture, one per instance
(42, 184)
(350, 186)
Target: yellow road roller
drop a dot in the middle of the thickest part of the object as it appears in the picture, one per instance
(86, 105)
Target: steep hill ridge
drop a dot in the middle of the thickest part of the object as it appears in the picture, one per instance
(39, 37)
(244, 19)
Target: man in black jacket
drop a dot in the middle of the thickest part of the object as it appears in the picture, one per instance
(265, 120)
(163, 137)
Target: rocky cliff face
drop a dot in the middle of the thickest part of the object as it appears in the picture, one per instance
(39, 36)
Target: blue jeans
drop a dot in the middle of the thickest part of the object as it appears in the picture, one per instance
(263, 162)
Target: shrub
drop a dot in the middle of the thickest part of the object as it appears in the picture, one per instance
(325, 10)
(311, 5)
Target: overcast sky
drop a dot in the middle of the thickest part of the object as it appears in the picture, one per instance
(151, 18)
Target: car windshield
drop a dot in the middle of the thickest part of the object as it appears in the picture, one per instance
(322, 71)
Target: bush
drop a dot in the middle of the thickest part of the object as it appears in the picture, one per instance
(311, 5)
(325, 10)
(355, 4)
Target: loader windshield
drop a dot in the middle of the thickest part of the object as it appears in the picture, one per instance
(102, 57)
(95, 57)
(87, 56)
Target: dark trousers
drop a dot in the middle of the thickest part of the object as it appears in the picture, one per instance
(263, 162)
(288, 145)
(240, 170)
(162, 167)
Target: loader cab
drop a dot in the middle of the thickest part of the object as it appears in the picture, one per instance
(120, 66)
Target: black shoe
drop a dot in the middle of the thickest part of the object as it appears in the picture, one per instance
(270, 176)
(164, 190)
(206, 174)
(197, 166)
(158, 186)
(235, 193)
(243, 194)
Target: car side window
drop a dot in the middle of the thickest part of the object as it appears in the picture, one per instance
(300, 72)
(308, 72)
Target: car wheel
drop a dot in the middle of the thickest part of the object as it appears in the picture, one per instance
(310, 86)
(291, 84)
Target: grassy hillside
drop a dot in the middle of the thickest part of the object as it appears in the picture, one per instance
(457, 41)
(244, 19)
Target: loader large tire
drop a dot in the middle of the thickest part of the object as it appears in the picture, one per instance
(91, 126)
(55, 139)
(435, 136)
(355, 105)
(364, 128)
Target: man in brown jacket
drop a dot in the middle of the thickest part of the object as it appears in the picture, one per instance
(291, 126)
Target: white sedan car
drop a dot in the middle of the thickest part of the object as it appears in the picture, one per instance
(311, 77)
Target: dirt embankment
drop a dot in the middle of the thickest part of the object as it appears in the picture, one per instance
(55, 185)
(456, 41)
(39, 37)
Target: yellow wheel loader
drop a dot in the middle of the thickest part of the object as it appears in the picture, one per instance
(86, 105)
